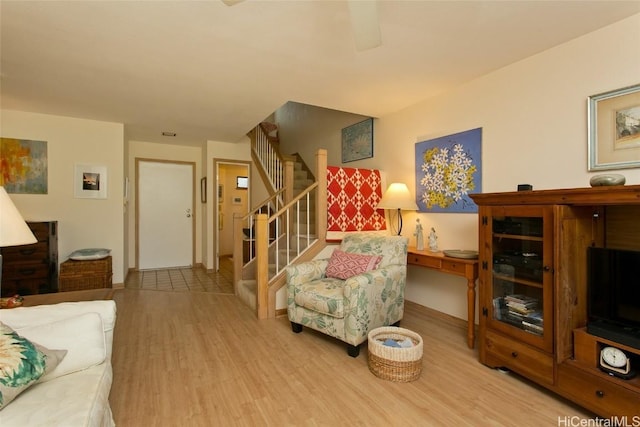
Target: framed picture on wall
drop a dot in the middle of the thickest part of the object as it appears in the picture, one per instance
(90, 182)
(357, 141)
(614, 129)
(448, 169)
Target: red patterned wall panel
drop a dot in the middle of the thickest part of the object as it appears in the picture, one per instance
(352, 195)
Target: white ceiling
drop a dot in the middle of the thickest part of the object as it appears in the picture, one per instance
(208, 71)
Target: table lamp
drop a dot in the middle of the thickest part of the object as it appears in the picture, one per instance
(14, 231)
(398, 197)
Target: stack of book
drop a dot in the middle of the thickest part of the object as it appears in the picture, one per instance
(523, 311)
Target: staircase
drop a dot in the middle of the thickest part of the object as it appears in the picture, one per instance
(282, 230)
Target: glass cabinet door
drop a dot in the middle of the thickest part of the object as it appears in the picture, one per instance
(521, 274)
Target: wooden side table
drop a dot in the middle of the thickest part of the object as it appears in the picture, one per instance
(467, 268)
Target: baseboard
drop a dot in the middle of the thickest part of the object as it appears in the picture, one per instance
(436, 314)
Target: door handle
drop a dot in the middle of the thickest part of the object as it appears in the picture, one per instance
(188, 213)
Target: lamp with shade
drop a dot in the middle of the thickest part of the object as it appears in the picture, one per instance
(14, 231)
(398, 197)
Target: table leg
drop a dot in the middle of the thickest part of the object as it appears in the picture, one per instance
(471, 312)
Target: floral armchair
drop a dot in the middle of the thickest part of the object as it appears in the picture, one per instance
(347, 306)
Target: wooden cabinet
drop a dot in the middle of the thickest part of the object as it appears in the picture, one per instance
(32, 269)
(533, 288)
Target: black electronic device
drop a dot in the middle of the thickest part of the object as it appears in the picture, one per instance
(518, 226)
(525, 187)
(613, 295)
(527, 265)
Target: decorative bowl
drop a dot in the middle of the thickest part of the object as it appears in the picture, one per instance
(607, 179)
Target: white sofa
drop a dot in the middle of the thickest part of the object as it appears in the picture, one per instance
(76, 392)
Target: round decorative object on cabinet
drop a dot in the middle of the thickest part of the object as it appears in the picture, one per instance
(607, 179)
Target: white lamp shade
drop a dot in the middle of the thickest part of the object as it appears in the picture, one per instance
(13, 230)
(397, 196)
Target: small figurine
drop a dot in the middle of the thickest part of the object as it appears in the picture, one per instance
(419, 236)
(433, 240)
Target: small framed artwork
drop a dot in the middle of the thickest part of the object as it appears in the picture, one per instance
(614, 129)
(237, 200)
(90, 182)
(357, 141)
(203, 190)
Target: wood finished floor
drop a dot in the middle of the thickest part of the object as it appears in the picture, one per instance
(203, 359)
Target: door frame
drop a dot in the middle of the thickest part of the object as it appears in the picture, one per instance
(216, 213)
(193, 204)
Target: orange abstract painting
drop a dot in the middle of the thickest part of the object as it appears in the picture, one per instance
(23, 166)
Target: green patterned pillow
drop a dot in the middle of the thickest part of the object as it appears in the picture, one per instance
(22, 363)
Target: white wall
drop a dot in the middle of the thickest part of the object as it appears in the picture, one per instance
(153, 151)
(305, 128)
(82, 223)
(534, 120)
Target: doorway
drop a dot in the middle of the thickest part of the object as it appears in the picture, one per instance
(232, 198)
(164, 214)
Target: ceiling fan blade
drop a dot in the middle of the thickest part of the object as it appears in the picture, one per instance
(231, 2)
(365, 23)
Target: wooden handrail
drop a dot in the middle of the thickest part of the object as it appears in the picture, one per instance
(275, 232)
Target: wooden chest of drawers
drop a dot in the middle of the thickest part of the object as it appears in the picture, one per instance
(32, 269)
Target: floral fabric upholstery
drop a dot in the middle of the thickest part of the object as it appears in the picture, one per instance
(349, 309)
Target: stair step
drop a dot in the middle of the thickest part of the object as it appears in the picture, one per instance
(302, 183)
(247, 291)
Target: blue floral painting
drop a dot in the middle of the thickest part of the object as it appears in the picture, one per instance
(448, 169)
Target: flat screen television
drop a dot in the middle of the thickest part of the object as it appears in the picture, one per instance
(242, 182)
(613, 295)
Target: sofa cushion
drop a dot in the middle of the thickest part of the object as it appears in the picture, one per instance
(22, 317)
(343, 265)
(78, 399)
(82, 336)
(22, 363)
(323, 296)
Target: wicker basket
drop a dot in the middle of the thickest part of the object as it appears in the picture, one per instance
(87, 274)
(393, 363)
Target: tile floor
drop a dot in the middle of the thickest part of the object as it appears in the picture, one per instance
(184, 279)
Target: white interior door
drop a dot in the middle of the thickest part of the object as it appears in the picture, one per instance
(165, 214)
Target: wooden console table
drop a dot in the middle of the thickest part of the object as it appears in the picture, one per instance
(467, 268)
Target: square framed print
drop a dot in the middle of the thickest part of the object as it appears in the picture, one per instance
(24, 166)
(448, 169)
(357, 141)
(614, 129)
(90, 182)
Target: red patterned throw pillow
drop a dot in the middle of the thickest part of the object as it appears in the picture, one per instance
(343, 265)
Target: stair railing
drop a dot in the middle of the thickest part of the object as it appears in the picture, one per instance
(268, 155)
(284, 236)
(290, 242)
(245, 227)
